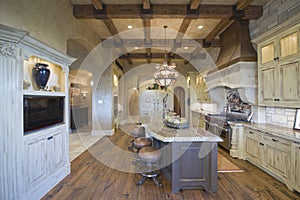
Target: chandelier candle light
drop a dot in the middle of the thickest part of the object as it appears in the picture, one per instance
(165, 74)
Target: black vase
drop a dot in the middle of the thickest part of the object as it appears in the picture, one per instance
(41, 75)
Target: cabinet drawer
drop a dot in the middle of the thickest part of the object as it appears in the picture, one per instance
(268, 138)
(254, 134)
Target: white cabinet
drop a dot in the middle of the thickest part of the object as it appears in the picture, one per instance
(253, 145)
(34, 163)
(277, 152)
(295, 175)
(274, 154)
(45, 154)
(278, 70)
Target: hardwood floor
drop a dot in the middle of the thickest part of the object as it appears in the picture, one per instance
(90, 179)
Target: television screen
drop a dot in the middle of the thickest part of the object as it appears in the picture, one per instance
(42, 111)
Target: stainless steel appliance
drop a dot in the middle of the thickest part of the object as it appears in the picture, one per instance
(218, 125)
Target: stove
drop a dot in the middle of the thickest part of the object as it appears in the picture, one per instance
(218, 125)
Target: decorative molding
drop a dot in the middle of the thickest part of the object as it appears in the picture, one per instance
(8, 49)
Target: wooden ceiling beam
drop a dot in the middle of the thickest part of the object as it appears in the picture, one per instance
(135, 11)
(147, 26)
(113, 30)
(218, 29)
(98, 4)
(242, 4)
(146, 4)
(161, 56)
(159, 43)
(195, 4)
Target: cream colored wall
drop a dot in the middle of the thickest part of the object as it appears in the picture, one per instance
(50, 21)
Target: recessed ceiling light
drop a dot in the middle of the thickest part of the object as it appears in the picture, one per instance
(135, 47)
(129, 26)
(200, 27)
(185, 47)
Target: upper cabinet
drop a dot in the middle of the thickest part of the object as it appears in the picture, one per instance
(278, 70)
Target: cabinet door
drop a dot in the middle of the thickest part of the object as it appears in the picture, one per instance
(277, 159)
(56, 149)
(277, 156)
(36, 164)
(267, 84)
(289, 45)
(253, 146)
(296, 166)
(289, 78)
(267, 53)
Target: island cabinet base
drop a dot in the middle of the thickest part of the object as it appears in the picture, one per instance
(190, 165)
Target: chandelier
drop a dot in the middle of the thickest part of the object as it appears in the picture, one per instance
(165, 74)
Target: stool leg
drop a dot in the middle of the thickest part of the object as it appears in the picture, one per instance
(156, 181)
(140, 182)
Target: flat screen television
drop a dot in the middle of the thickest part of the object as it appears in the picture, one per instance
(42, 111)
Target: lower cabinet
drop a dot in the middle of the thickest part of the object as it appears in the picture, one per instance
(46, 157)
(275, 155)
(296, 166)
(253, 145)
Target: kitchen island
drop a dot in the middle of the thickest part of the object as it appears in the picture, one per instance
(189, 156)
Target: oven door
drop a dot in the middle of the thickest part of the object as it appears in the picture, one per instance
(225, 134)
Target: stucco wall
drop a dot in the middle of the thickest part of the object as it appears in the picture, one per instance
(50, 21)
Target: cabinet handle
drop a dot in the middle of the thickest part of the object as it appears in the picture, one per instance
(50, 138)
(276, 99)
(275, 140)
(261, 144)
(277, 58)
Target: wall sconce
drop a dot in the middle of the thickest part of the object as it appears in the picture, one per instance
(84, 94)
(188, 81)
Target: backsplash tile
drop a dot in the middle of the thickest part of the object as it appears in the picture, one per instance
(280, 116)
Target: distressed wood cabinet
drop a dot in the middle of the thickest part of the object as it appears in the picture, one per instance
(33, 162)
(277, 154)
(295, 174)
(278, 70)
(253, 145)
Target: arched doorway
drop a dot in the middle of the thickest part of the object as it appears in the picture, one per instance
(179, 101)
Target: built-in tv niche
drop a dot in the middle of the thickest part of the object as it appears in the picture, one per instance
(42, 111)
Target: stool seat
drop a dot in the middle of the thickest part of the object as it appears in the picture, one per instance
(142, 142)
(138, 131)
(149, 154)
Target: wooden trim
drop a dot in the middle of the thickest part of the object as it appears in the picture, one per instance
(218, 29)
(242, 4)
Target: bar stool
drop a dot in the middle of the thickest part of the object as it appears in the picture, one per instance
(141, 142)
(149, 156)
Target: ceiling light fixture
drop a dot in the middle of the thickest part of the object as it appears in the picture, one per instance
(186, 48)
(129, 26)
(200, 27)
(165, 74)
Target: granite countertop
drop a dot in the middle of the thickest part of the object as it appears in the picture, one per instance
(191, 134)
(279, 131)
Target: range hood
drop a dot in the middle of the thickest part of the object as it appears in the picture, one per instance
(236, 64)
(240, 76)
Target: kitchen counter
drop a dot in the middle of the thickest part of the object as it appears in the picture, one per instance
(279, 131)
(191, 134)
(189, 156)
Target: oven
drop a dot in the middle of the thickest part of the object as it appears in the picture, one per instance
(220, 128)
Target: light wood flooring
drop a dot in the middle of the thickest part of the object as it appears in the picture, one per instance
(90, 179)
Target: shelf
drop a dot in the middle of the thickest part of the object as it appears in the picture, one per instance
(43, 93)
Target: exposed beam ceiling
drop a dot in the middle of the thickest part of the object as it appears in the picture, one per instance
(226, 14)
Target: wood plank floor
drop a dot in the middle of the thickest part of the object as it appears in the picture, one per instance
(90, 179)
